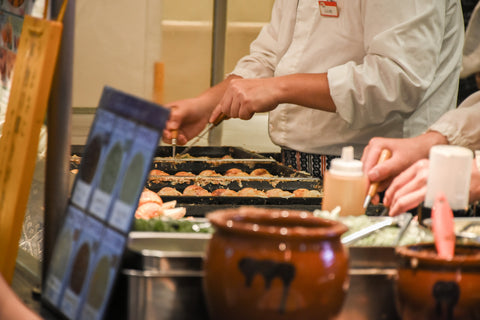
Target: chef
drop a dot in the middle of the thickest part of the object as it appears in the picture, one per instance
(408, 166)
(337, 73)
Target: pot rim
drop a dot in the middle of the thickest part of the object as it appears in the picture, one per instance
(268, 222)
(431, 258)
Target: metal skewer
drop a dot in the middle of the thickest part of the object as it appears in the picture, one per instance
(174, 142)
(209, 127)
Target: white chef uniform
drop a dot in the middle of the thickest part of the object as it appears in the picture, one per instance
(393, 68)
(462, 126)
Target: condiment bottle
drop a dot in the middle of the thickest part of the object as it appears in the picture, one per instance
(345, 185)
(449, 172)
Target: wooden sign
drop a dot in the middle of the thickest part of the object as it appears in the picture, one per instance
(32, 79)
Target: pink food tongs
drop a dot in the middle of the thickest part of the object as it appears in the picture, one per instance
(443, 227)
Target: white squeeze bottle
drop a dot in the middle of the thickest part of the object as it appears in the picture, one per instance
(345, 185)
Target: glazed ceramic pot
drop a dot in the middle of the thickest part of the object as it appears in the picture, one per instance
(274, 264)
(428, 287)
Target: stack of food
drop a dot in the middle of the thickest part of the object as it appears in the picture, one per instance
(151, 205)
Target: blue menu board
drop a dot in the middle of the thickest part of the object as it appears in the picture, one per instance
(111, 176)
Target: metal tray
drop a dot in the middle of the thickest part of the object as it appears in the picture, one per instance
(164, 295)
(284, 178)
(138, 241)
(193, 243)
(236, 184)
(172, 166)
(196, 151)
(200, 206)
(203, 152)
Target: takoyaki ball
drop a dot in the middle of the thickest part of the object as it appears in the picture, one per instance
(305, 193)
(184, 174)
(157, 172)
(169, 191)
(194, 190)
(209, 173)
(278, 193)
(251, 192)
(235, 172)
(260, 172)
(224, 193)
(148, 195)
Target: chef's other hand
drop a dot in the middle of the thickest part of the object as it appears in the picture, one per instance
(244, 97)
(408, 189)
(474, 183)
(188, 117)
(405, 152)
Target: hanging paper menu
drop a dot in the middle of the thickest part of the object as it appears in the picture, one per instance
(112, 174)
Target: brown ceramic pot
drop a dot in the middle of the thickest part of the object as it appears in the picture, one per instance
(428, 287)
(274, 264)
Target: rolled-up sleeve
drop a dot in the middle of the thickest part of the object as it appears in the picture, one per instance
(460, 126)
(402, 41)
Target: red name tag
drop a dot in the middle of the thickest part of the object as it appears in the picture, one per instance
(328, 8)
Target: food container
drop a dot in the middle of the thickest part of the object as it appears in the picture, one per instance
(429, 287)
(165, 295)
(274, 264)
(168, 286)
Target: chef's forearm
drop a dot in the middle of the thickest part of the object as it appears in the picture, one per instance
(209, 99)
(308, 90)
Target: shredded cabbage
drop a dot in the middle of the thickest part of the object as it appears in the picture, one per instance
(387, 236)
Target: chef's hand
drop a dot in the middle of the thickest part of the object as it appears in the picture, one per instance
(474, 183)
(244, 97)
(188, 117)
(408, 189)
(404, 153)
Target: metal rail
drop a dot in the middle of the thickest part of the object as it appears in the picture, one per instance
(58, 143)
(218, 58)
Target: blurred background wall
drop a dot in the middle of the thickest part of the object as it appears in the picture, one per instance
(118, 42)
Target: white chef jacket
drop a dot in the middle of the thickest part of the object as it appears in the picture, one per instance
(461, 126)
(386, 60)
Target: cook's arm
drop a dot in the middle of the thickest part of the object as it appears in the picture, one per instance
(460, 126)
(11, 307)
(456, 127)
(408, 189)
(405, 152)
(190, 116)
